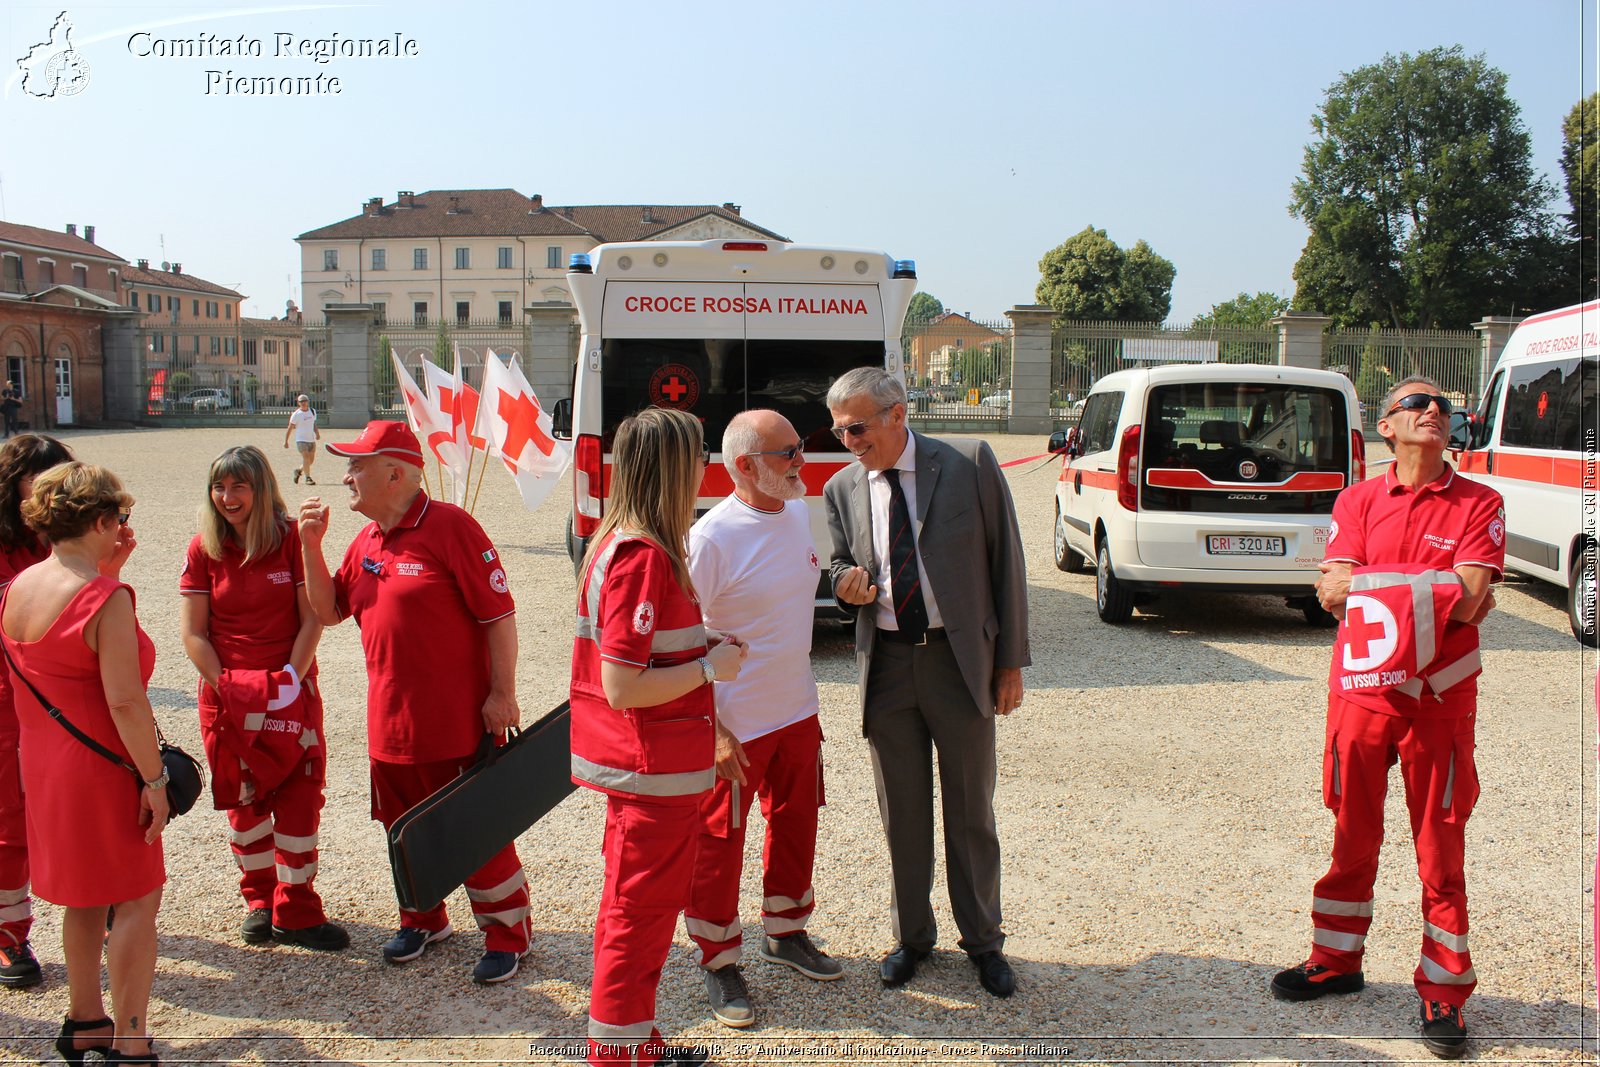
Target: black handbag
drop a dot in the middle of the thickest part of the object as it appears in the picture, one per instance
(185, 779)
(437, 845)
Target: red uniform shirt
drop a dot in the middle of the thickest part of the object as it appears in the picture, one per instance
(422, 594)
(1450, 522)
(13, 561)
(641, 618)
(255, 607)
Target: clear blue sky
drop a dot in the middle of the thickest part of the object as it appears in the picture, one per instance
(969, 137)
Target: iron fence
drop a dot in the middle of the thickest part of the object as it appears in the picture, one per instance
(232, 368)
(1081, 353)
(437, 341)
(958, 370)
(1375, 359)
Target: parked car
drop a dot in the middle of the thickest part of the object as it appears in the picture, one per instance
(1215, 476)
(205, 400)
(1000, 400)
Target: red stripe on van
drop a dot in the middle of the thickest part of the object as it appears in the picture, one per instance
(1591, 307)
(1565, 471)
(1301, 482)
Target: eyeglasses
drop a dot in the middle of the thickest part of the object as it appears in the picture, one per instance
(787, 453)
(122, 518)
(705, 454)
(856, 429)
(1419, 402)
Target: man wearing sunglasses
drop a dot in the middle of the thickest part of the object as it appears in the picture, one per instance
(927, 556)
(755, 571)
(1422, 524)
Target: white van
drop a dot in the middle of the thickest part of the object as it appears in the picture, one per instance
(715, 328)
(1214, 475)
(1534, 440)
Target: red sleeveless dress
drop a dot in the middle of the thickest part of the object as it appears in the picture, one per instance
(85, 845)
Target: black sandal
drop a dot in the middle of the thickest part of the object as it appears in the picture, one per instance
(113, 1056)
(68, 1048)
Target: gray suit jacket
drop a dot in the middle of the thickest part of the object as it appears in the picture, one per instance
(970, 548)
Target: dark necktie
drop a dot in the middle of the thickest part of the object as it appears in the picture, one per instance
(905, 581)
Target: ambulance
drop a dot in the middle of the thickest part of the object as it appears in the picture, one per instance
(1533, 439)
(715, 328)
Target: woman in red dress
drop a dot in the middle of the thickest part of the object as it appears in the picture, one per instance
(22, 458)
(94, 832)
(245, 616)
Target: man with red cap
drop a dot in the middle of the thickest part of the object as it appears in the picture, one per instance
(1410, 559)
(439, 631)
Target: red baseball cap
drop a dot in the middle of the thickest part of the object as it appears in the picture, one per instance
(383, 438)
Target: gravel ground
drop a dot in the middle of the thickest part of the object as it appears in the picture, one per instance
(1160, 815)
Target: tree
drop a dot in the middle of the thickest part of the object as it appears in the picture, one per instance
(1245, 311)
(1420, 193)
(924, 308)
(1088, 276)
(441, 345)
(1580, 162)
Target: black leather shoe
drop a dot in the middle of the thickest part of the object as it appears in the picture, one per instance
(900, 966)
(994, 973)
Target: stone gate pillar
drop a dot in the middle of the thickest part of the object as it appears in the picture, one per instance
(1300, 338)
(1493, 333)
(349, 365)
(1030, 369)
(549, 360)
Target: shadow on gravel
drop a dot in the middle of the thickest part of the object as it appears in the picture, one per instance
(1502, 630)
(1166, 1007)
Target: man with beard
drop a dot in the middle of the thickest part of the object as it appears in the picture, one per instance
(755, 571)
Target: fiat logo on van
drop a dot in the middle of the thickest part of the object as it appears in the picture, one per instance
(1248, 469)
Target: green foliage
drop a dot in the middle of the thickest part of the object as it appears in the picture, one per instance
(1580, 162)
(1088, 276)
(924, 307)
(441, 345)
(1420, 192)
(1373, 379)
(180, 383)
(1245, 311)
(982, 367)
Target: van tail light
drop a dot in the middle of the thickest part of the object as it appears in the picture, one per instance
(1128, 469)
(587, 485)
(1358, 453)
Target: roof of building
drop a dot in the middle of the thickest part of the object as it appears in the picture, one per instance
(171, 279)
(39, 237)
(82, 296)
(506, 212)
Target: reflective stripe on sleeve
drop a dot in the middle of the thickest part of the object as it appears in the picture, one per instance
(637, 783)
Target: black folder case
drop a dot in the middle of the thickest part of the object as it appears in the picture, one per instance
(435, 846)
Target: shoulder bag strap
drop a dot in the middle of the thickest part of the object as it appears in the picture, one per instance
(56, 714)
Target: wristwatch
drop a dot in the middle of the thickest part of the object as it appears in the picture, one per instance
(707, 670)
(159, 783)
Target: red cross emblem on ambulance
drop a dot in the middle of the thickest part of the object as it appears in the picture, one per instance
(674, 386)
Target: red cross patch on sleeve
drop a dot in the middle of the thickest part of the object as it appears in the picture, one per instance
(644, 618)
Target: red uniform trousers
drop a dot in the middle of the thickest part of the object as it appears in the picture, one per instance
(275, 844)
(1436, 763)
(650, 856)
(786, 770)
(16, 908)
(498, 890)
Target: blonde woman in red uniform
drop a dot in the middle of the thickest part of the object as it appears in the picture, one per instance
(642, 730)
(244, 615)
(21, 459)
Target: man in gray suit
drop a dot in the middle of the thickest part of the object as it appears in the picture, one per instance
(927, 556)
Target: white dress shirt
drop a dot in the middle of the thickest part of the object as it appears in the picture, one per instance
(878, 494)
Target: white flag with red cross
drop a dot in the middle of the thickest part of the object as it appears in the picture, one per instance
(521, 430)
(465, 416)
(423, 417)
(442, 392)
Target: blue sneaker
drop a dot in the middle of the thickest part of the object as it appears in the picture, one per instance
(409, 942)
(496, 967)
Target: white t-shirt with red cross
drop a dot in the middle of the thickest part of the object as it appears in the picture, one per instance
(755, 573)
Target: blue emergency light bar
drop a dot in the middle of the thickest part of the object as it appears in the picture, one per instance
(578, 263)
(905, 268)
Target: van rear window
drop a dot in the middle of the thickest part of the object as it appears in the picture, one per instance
(718, 378)
(1255, 433)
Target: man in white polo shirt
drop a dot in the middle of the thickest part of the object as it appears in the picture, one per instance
(755, 571)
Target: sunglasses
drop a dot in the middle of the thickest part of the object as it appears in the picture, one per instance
(705, 454)
(787, 453)
(372, 566)
(856, 429)
(1419, 402)
(123, 517)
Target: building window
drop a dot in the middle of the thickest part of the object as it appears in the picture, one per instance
(380, 311)
(419, 259)
(248, 346)
(552, 257)
(116, 279)
(419, 312)
(227, 311)
(330, 259)
(463, 311)
(197, 344)
(80, 277)
(153, 301)
(196, 308)
(172, 305)
(463, 258)
(14, 374)
(211, 309)
(503, 257)
(158, 342)
(13, 274)
(216, 346)
(269, 346)
(505, 311)
(133, 299)
(47, 272)
(380, 259)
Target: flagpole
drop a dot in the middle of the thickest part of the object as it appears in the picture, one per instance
(482, 471)
(471, 452)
